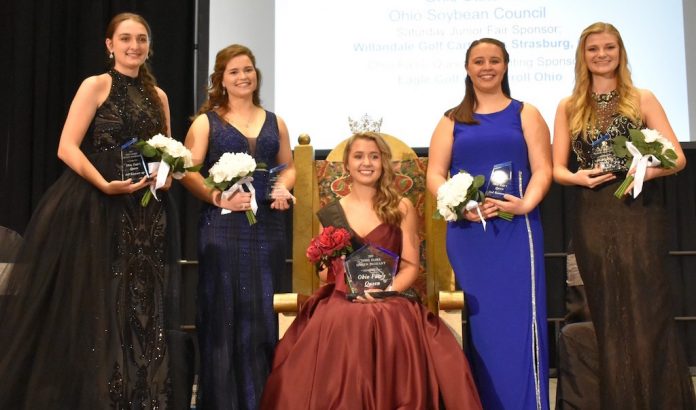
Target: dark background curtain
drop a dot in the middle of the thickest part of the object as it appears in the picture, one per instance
(48, 47)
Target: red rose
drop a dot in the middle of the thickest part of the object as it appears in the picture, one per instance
(341, 239)
(313, 253)
(324, 240)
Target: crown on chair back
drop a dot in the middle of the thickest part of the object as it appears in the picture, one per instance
(364, 124)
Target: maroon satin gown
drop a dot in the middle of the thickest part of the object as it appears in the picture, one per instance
(390, 355)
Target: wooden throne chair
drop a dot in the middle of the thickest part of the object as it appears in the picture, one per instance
(318, 182)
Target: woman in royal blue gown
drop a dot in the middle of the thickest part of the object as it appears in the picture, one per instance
(238, 262)
(501, 267)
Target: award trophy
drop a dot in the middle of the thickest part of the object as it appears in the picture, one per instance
(132, 162)
(602, 154)
(273, 175)
(370, 267)
(500, 181)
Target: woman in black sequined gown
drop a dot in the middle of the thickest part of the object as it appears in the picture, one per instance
(620, 244)
(86, 325)
(238, 263)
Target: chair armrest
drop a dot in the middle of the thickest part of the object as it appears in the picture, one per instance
(287, 305)
(451, 311)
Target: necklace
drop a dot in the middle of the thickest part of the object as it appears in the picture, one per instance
(241, 122)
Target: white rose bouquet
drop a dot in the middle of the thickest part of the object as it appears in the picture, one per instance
(230, 174)
(646, 148)
(174, 158)
(460, 192)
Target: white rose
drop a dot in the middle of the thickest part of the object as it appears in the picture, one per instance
(651, 135)
(447, 214)
(158, 141)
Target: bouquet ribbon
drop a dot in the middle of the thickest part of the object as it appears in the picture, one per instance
(641, 163)
(471, 205)
(246, 182)
(162, 169)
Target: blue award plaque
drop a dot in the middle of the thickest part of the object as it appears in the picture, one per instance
(273, 175)
(133, 164)
(500, 181)
(602, 154)
(370, 267)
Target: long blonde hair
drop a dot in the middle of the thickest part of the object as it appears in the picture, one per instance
(387, 199)
(581, 112)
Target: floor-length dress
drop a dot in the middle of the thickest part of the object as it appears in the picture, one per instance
(236, 324)
(87, 321)
(343, 355)
(501, 271)
(621, 251)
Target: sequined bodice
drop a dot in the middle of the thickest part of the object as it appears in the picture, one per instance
(224, 137)
(127, 112)
(609, 125)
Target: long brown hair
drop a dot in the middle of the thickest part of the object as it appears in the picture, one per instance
(464, 112)
(387, 199)
(144, 73)
(581, 112)
(216, 96)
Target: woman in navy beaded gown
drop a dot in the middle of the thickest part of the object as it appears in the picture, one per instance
(238, 262)
(501, 268)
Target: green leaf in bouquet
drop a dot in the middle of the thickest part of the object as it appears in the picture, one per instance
(177, 165)
(619, 147)
(168, 158)
(479, 180)
(636, 135)
(261, 165)
(149, 151)
(667, 159)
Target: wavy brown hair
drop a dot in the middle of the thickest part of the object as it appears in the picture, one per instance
(144, 73)
(580, 110)
(464, 112)
(387, 199)
(216, 97)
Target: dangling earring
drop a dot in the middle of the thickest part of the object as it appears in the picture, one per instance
(111, 55)
(224, 91)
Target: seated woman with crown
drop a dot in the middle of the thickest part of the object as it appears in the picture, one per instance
(376, 349)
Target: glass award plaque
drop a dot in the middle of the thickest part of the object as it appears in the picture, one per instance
(133, 164)
(602, 155)
(273, 175)
(370, 267)
(500, 181)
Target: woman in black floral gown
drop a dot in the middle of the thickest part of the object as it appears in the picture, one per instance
(86, 325)
(620, 244)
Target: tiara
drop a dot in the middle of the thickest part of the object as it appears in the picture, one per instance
(364, 124)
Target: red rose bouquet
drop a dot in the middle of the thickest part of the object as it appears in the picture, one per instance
(331, 243)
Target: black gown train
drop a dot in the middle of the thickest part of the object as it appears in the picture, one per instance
(91, 306)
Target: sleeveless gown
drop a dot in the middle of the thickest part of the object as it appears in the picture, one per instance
(239, 264)
(501, 271)
(343, 355)
(89, 317)
(621, 251)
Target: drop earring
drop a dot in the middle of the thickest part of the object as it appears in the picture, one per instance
(111, 55)
(224, 91)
